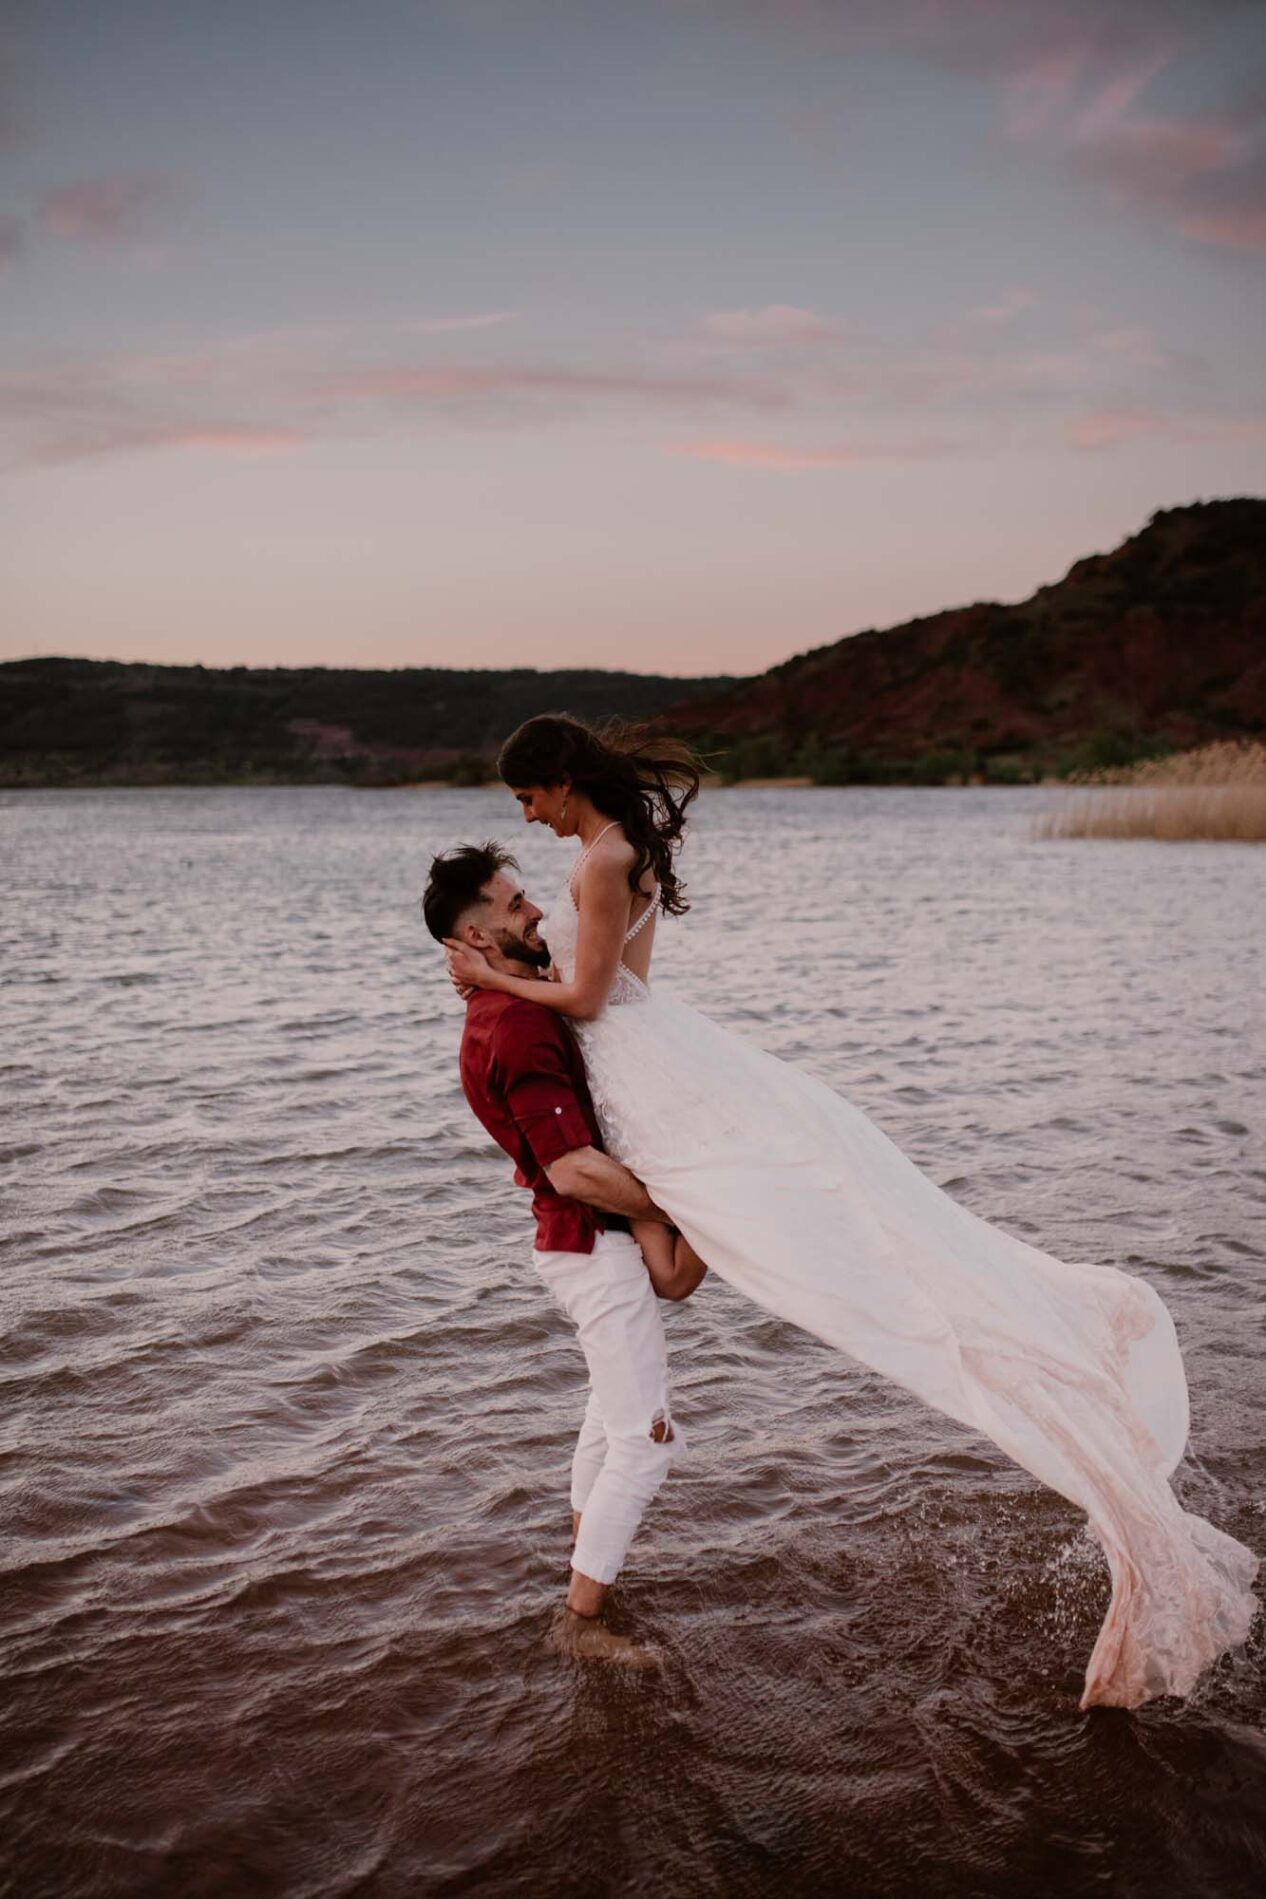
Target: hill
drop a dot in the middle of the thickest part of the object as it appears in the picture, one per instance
(94, 722)
(1158, 645)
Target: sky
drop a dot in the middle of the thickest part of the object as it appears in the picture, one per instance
(669, 335)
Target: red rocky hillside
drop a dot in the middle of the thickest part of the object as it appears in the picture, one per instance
(1159, 644)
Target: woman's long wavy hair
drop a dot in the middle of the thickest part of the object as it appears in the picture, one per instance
(632, 774)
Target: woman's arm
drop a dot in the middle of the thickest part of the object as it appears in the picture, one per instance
(604, 918)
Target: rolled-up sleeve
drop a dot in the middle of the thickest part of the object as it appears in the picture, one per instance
(536, 1084)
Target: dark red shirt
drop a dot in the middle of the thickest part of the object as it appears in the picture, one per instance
(524, 1078)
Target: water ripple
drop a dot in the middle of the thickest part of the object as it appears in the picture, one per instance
(284, 1449)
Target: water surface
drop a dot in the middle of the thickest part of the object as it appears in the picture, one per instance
(286, 1417)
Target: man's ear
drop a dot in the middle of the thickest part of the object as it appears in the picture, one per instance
(468, 932)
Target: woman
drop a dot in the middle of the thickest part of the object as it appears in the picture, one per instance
(804, 1205)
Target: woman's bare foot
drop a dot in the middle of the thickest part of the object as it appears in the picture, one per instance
(588, 1639)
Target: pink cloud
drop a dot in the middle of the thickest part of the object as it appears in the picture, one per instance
(64, 412)
(445, 381)
(768, 325)
(1011, 304)
(1071, 78)
(249, 364)
(988, 382)
(1161, 156)
(1041, 48)
(1204, 176)
(1113, 101)
(87, 436)
(1109, 428)
(1243, 230)
(441, 326)
(1201, 176)
(245, 441)
(402, 381)
(738, 453)
(1040, 90)
(925, 378)
(1134, 346)
(106, 211)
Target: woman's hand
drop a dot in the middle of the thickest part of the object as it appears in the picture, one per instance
(469, 968)
(464, 990)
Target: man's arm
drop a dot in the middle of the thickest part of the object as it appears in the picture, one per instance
(539, 1089)
(586, 1174)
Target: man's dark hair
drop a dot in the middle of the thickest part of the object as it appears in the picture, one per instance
(457, 880)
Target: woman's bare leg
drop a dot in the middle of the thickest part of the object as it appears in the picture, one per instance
(675, 1268)
(688, 1268)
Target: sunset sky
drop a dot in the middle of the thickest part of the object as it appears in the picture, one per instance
(675, 335)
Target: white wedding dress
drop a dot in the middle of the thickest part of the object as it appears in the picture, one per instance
(800, 1202)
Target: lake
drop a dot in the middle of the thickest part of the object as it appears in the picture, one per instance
(287, 1416)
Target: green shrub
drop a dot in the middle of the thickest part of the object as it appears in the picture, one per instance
(468, 771)
(945, 765)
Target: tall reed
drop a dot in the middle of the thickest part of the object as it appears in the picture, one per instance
(1217, 791)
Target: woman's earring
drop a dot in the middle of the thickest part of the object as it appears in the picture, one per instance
(562, 816)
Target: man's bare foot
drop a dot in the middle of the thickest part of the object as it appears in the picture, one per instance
(588, 1639)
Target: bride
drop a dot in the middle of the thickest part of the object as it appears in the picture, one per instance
(800, 1202)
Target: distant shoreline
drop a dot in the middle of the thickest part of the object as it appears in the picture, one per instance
(446, 784)
(1148, 651)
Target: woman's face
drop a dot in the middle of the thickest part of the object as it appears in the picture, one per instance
(543, 804)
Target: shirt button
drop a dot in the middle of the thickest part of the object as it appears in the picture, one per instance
(558, 1111)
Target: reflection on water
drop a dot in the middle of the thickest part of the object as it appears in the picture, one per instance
(287, 1417)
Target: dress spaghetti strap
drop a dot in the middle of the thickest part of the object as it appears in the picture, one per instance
(571, 881)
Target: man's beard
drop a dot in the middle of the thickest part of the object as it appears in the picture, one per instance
(535, 955)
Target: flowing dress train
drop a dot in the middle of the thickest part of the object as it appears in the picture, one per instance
(801, 1203)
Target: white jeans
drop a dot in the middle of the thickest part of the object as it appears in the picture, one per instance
(628, 1438)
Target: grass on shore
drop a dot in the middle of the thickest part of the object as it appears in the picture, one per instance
(1216, 792)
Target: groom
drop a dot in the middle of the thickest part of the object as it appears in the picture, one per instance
(523, 1075)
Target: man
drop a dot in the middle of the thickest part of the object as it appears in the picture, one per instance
(523, 1076)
